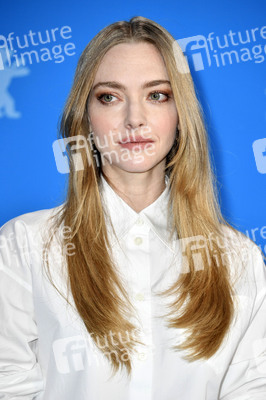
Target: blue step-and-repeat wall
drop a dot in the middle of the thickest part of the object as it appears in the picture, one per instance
(225, 43)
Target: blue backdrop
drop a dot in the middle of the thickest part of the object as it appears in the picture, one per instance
(225, 42)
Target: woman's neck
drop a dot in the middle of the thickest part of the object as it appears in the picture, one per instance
(138, 190)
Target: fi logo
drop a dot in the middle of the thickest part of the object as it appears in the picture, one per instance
(197, 247)
(259, 150)
(196, 51)
(76, 145)
(70, 354)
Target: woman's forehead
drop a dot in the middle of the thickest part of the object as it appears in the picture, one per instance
(127, 58)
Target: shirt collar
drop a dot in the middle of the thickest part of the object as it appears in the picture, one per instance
(122, 217)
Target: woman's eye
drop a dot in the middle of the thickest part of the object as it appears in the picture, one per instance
(156, 96)
(106, 98)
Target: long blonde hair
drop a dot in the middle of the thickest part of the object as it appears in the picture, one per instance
(203, 304)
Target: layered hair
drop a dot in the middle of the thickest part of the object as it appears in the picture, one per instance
(203, 298)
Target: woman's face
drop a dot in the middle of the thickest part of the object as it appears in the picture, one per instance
(131, 108)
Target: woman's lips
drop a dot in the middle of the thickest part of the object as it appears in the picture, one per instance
(139, 143)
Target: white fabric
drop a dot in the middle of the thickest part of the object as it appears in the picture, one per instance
(47, 354)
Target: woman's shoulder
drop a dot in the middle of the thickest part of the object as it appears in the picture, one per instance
(31, 221)
(244, 256)
(236, 240)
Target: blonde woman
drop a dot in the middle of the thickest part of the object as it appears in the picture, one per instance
(135, 287)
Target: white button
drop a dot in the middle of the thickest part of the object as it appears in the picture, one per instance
(139, 221)
(140, 296)
(142, 356)
(137, 240)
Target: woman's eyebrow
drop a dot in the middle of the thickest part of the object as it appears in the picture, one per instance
(117, 85)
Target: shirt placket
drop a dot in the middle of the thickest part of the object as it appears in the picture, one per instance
(138, 245)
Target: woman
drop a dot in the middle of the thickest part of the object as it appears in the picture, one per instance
(138, 289)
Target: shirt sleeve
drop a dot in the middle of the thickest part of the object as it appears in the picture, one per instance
(246, 376)
(20, 373)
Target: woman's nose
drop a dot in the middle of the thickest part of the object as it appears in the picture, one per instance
(135, 114)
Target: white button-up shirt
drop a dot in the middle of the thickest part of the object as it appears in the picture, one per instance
(47, 354)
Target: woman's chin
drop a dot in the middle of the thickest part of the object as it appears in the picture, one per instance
(132, 166)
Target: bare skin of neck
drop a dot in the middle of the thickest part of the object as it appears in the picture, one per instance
(137, 189)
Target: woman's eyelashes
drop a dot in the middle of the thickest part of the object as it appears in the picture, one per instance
(106, 98)
(156, 93)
